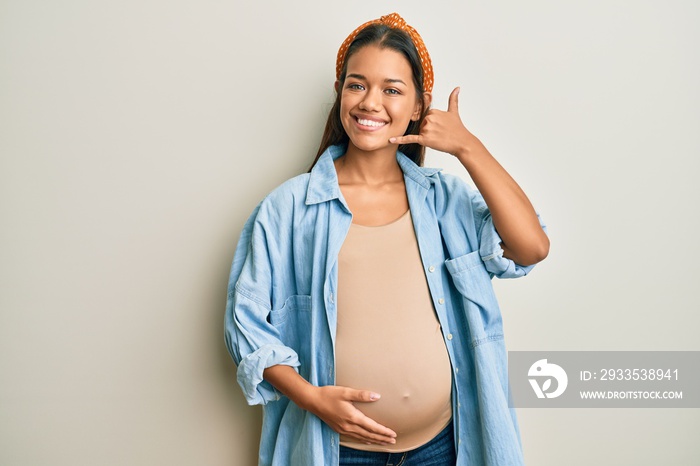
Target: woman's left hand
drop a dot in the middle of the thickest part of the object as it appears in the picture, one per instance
(443, 131)
(523, 239)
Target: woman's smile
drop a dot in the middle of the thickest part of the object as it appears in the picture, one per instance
(369, 124)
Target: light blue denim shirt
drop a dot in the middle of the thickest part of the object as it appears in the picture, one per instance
(281, 308)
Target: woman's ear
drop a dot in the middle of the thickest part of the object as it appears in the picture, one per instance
(421, 107)
(427, 100)
(337, 86)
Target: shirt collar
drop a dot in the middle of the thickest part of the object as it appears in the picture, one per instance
(323, 181)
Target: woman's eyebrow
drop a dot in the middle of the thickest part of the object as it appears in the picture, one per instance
(362, 77)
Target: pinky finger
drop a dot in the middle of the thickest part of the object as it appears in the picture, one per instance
(369, 439)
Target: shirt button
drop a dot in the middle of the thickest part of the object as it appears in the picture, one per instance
(330, 298)
(441, 301)
(456, 369)
(431, 269)
(449, 336)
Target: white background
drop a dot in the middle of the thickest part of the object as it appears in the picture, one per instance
(137, 136)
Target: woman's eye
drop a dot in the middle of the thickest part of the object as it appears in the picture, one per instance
(358, 87)
(392, 91)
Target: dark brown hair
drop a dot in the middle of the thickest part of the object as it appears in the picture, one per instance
(384, 37)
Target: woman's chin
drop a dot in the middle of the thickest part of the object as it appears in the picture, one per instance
(364, 145)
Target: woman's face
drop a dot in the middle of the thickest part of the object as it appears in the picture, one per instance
(378, 98)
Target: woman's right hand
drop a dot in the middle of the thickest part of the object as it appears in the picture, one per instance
(334, 405)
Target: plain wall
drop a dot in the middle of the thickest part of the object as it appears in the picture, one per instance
(137, 136)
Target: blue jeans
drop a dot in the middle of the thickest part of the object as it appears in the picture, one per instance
(440, 451)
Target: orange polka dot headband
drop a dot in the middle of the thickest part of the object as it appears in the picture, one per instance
(394, 21)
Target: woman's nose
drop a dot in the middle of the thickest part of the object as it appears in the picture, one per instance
(371, 102)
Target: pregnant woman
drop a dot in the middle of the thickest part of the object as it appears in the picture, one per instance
(360, 308)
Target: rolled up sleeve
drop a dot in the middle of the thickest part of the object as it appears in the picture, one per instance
(255, 346)
(250, 370)
(253, 342)
(490, 241)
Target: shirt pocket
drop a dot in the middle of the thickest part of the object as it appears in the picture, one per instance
(295, 303)
(473, 282)
(293, 324)
(471, 279)
(463, 262)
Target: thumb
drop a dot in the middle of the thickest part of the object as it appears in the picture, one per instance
(364, 395)
(452, 105)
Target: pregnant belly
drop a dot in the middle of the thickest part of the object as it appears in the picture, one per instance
(415, 384)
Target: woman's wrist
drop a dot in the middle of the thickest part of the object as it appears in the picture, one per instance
(472, 154)
(305, 396)
(292, 385)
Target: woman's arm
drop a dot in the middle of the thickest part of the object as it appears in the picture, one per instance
(515, 219)
(332, 404)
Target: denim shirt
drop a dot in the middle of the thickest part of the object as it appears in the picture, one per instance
(281, 308)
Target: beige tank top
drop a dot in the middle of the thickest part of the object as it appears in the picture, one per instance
(388, 336)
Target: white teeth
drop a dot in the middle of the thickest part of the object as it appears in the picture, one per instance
(370, 122)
